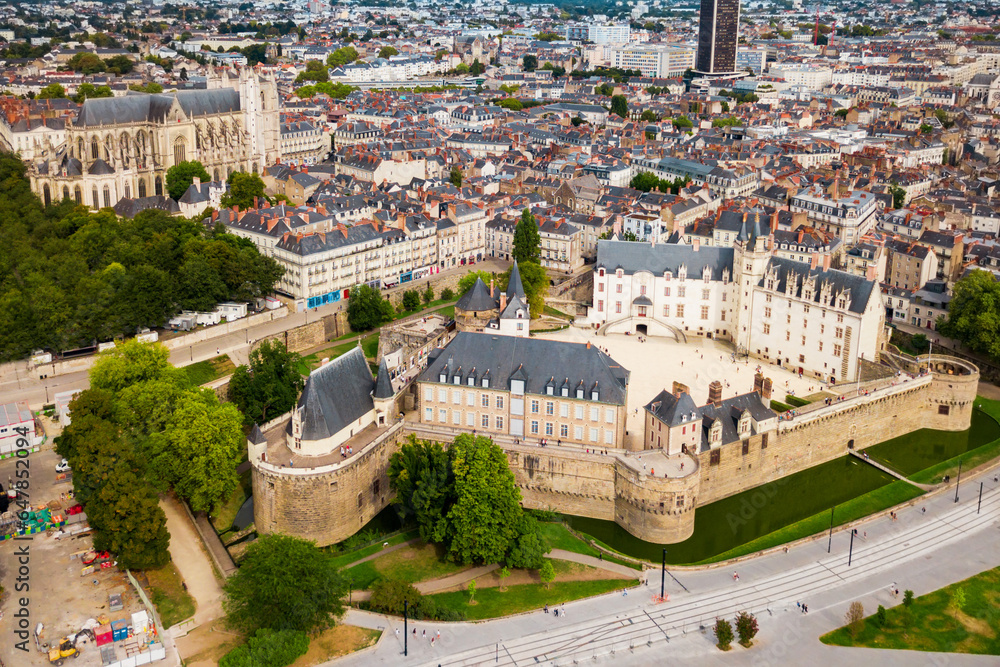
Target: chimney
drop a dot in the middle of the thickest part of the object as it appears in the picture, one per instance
(758, 383)
(814, 260)
(679, 389)
(826, 262)
(401, 220)
(588, 344)
(196, 180)
(215, 215)
(715, 393)
(503, 301)
(765, 390)
(696, 243)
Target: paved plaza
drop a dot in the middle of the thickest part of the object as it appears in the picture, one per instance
(656, 362)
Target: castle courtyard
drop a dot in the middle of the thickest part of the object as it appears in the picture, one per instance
(656, 362)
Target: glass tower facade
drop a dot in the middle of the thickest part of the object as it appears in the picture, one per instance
(718, 31)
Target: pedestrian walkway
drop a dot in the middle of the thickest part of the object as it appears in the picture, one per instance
(192, 563)
(889, 471)
(383, 552)
(438, 585)
(592, 561)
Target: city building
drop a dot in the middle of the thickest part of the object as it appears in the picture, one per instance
(718, 31)
(487, 309)
(656, 60)
(848, 216)
(599, 34)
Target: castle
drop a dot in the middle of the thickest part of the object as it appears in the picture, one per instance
(121, 147)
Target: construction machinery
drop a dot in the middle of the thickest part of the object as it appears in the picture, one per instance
(66, 649)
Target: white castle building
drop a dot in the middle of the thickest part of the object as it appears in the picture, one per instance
(122, 147)
(806, 317)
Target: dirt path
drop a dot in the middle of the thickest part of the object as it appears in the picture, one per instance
(624, 570)
(192, 562)
(379, 554)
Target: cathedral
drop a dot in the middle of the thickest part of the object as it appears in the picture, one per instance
(121, 147)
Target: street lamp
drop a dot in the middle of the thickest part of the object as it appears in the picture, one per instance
(959, 479)
(406, 635)
(829, 542)
(663, 574)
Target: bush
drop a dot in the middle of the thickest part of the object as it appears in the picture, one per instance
(795, 401)
(907, 598)
(411, 299)
(881, 617)
(920, 343)
(428, 294)
(447, 294)
(388, 596)
(746, 627)
(778, 406)
(723, 633)
(268, 648)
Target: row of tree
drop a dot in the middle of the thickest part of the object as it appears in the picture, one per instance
(70, 277)
(647, 181)
(142, 429)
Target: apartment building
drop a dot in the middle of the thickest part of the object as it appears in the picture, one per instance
(655, 60)
(849, 217)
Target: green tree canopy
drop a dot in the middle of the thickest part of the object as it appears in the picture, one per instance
(974, 313)
(52, 91)
(366, 309)
(314, 71)
(649, 116)
(182, 175)
(268, 648)
(89, 90)
(388, 52)
(86, 63)
(477, 68)
(284, 583)
(456, 177)
(128, 521)
(466, 282)
(245, 190)
(529, 63)
(270, 385)
(527, 239)
(118, 65)
(421, 476)
(345, 55)
(898, 195)
(619, 106)
(130, 363)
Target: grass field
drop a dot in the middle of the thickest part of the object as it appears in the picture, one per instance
(491, 603)
(934, 622)
(557, 536)
(348, 557)
(203, 372)
(412, 564)
(728, 524)
(172, 602)
(921, 450)
(312, 361)
(335, 642)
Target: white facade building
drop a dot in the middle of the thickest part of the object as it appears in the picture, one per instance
(655, 60)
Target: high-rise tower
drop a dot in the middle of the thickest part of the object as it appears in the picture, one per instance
(718, 31)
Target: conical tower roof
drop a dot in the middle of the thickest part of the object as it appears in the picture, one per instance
(514, 286)
(383, 385)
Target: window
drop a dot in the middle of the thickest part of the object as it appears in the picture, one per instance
(725, 297)
(548, 428)
(442, 416)
(534, 407)
(486, 400)
(609, 437)
(767, 329)
(600, 287)
(618, 307)
(470, 419)
(763, 441)
(746, 447)
(578, 432)
(499, 402)
(803, 340)
(428, 393)
(642, 290)
(836, 350)
(705, 294)
(838, 332)
(666, 291)
(802, 358)
(594, 435)
(486, 421)
(550, 408)
(600, 306)
(594, 414)
(564, 410)
(470, 398)
(456, 417)
(840, 317)
(456, 396)
(704, 312)
(821, 346)
(564, 430)
(428, 414)
(715, 457)
(499, 423)
(618, 288)
(578, 412)
(767, 312)
(442, 395)
(534, 428)
(681, 291)
(944, 409)
(666, 311)
(680, 310)
(609, 415)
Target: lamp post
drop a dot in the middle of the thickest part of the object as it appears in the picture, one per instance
(980, 505)
(663, 574)
(829, 542)
(850, 553)
(406, 634)
(959, 479)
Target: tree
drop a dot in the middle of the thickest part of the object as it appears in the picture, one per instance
(466, 282)
(366, 309)
(723, 634)
(52, 91)
(477, 68)
(342, 56)
(841, 113)
(682, 123)
(649, 116)
(547, 573)
(428, 294)
(503, 574)
(182, 175)
(88, 90)
(118, 64)
(527, 239)
(925, 128)
(535, 281)
(284, 583)
(420, 474)
(207, 440)
(472, 591)
(974, 313)
(529, 63)
(619, 106)
(268, 648)
(388, 596)
(746, 628)
(881, 617)
(245, 190)
(411, 300)
(447, 294)
(86, 63)
(605, 89)
(270, 385)
(128, 521)
(855, 618)
(314, 71)
(907, 598)
(387, 52)
(920, 343)
(456, 177)
(482, 521)
(461, 68)
(152, 87)
(898, 195)
(129, 363)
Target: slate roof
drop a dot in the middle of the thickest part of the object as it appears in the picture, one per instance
(146, 108)
(478, 298)
(861, 288)
(336, 395)
(676, 410)
(514, 285)
(632, 257)
(539, 362)
(383, 383)
(129, 208)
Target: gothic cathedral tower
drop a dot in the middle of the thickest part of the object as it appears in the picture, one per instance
(259, 102)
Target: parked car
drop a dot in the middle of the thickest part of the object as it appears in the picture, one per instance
(63, 466)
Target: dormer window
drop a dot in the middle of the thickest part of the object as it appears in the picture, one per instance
(486, 383)
(579, 393)
(619, 273)
(472, 381)
(594, 395)
(549, 390)
(457, 379)
(565, 391)
(443, 377)
(600, 273)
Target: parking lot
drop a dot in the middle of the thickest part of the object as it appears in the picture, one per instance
(62, 594)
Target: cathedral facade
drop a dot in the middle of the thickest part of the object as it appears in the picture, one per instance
(121, 147)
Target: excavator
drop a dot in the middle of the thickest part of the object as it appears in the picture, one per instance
(65, 650)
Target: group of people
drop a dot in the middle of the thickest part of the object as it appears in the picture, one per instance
(346, 451)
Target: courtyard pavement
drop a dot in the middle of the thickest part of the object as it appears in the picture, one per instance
(933, 543)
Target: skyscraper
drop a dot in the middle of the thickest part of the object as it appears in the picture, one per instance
(717, 35)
